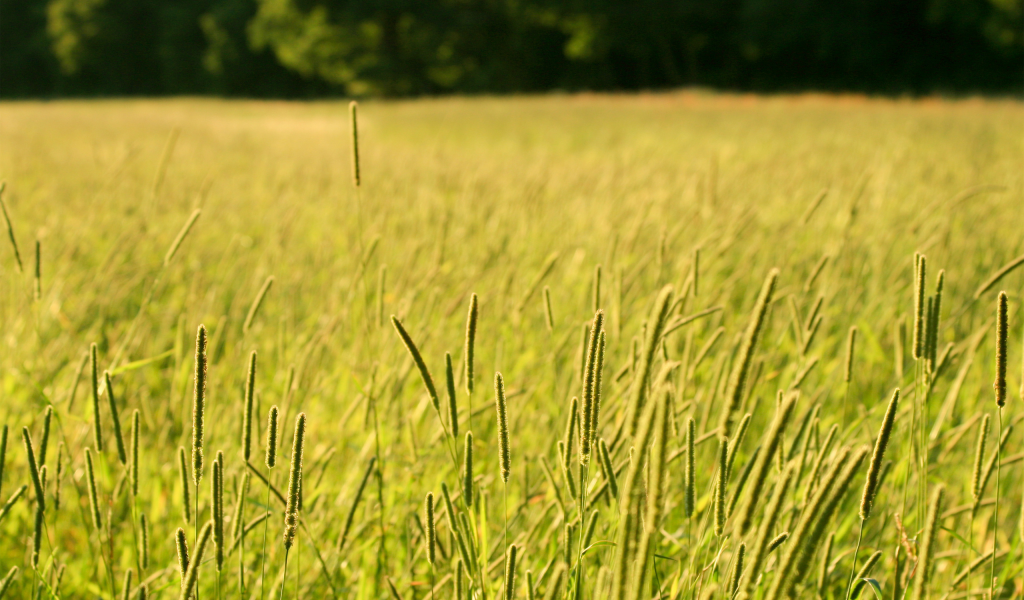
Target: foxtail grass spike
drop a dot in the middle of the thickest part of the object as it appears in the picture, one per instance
(936, 315)
(570, 429)
(502, 407)
(431, 529)
(720, 488)
(608, 469)
(851, 344)
(192, 574)
(428, 381)
(199, 406)
(33, 468)
(114, 416)
(60, 476)
(696, 270)
(469, 351)
(181, 544)
(595, 417)
(737, 571)
(144, 540)
(467, 470)
(10, 231)
(6, 508)
(738, 376)
(510, 574)
(94, 502)
(690, 472)
(589, 382)
(250, 389)
(777, 541)
(186, 504)
(126, 586)
(37, 287)
(44, 439)
(878, 455)
(1001, 334)
(549, 317)
(6, 582)
(217, 510)
(979, 457)
(453, 407)
(919, 305)
(353, 110)
(133, 467)
(97, 424)
(271, 454)
(294, 481)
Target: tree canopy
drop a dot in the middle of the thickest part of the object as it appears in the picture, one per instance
(307, 48)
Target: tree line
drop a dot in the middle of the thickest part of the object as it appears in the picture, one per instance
(310, 48)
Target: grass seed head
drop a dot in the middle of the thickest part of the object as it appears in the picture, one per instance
(428, 511)
(878, 455)
(467, 470)
(186, 504)
(453, 407)
(1002, 332)
(502, 407)
(250, 388)
(294, 481)
(271, 455)
(470, 347)
(199, 405)
(97, 424)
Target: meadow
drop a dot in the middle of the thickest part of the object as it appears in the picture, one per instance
(701, 308)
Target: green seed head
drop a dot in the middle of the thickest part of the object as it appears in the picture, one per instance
(181, 543)
(502, 406)
(467, 470)
(133, 468)
(453, 407)
(471, 319)
(353, 110)
(271, 459)
(1002, 333)
(875, 468)
(431, 529)
(199, 406)
(186, 504)
(97, 431)
(294, 481)
(250, 387)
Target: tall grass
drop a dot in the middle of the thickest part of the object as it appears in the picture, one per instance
(563, 218)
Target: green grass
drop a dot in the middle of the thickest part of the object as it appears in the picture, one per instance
(474, 195)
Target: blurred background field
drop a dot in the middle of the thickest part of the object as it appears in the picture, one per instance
(475, 195)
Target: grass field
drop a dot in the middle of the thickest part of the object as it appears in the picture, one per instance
(516, 200)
